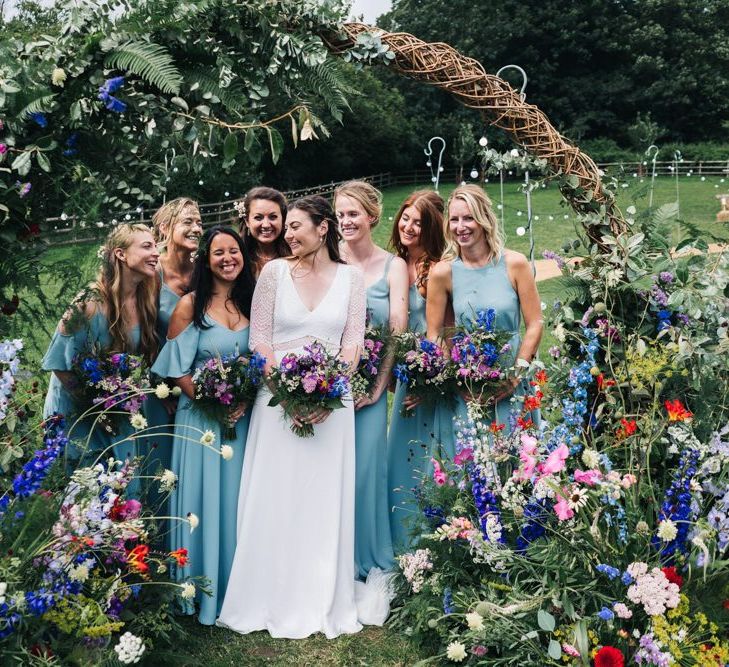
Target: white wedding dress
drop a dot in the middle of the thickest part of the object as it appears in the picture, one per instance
(293, 571)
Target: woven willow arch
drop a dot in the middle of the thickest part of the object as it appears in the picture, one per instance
(500, 105)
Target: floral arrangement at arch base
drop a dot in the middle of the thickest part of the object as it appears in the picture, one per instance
(599, 536)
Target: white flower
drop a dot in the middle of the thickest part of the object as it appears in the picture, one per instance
(577, 498)
(162, 391)
(130, 648)
(667, 530)
(621, 610)
(79, 573)
(188, 591)
(226, 451)
(591, 458)
(642, 528)
(514, 152)
(176, 391)
(161, 568)
(167, 480)
(207, 438)
(193, 520)
(3, 590)
(474, 621)
(58, 76)
(138, 421)
(559, 333)
(456, 652)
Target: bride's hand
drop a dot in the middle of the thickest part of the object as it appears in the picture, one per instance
(237, 413)
(315, 416)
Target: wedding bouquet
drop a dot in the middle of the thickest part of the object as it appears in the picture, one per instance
(308, 381)
(423, 367)
(114, 383)
(373, 351)
(224, 382)
(480, 356)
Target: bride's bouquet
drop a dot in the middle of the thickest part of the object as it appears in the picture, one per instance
(423, 367)
(308, 381)
(112, 384)
(224, 382)
(480, 357)
(373, 351)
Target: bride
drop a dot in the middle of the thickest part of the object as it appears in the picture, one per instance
(293, 571)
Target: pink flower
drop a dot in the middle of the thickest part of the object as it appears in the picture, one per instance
(309, 382)
(628, 480)
(466, 454)
(3, 149)
(589, 477)
(555, 461)
(570, 650)
(439, 477)
(562, 507)
(528, 443)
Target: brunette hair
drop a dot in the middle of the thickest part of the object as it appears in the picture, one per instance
(268, 194)
(108, 290)
(483, 213)
(319, 210)
(201, 282)
(430, 206)
(368, 196)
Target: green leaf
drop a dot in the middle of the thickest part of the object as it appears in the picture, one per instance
(43, 162)
(9, 87)
(276, 142)
(545, 620)
(21, 163)
(554, 650)
(151, 62)
(273, 402)
(230, 146)
(178, 101)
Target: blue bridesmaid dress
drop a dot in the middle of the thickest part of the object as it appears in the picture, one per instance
(372, 543)
(160, 424)
(482, 288)
(411, 442)
(208, 485)
(59, 357)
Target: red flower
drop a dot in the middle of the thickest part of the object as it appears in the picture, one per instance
(609, 656)
(677, 412)
(135, 558)
(180, 556)
(725, 604)
(524, 424)
(532, 403)
(495, 428)
(672, 575)
(602, 382)
(540, 378)
(626, 429)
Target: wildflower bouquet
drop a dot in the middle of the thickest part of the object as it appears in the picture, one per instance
(423, 367)
(480, 357)
(111, 385)
(373, 351)
(222, 383)
(305, 382)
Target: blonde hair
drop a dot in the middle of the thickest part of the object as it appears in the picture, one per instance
(108, 289)
(367, 195)
(167, 216)
(483, 213)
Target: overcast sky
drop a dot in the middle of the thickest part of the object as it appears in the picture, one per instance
(370, 8)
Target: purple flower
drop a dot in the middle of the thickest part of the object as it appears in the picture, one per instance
(309, 382)
(665, 277)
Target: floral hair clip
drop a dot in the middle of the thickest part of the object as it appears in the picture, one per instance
(102, 253)
(240, 206)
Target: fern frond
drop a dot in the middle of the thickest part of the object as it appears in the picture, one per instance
(33, 101)
(327, 82)
(233, 97)
(151, 62)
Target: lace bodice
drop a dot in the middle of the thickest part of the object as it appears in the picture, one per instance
(281, 321)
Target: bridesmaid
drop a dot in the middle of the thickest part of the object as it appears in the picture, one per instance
(358, 208)
(177, 228)
(263, 217)
(116, 313)
(211, 320)
(477, 273)
(417, 237)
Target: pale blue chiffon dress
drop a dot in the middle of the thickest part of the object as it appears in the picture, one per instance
(482, 288)
(207, 484)
(59, 357)
(372, 543)
(411, 442)
(160, 424)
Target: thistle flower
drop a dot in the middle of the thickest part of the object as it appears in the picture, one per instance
(474, 620)
(207, 438)
(456, 652)
(188, 591)
(138, 421)
(226, 451)
(162, 391)
(193, 520)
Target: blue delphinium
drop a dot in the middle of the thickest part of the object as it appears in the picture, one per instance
(606, 614)
(536, 516)
(39, 118)
(608, 570)
(485, 500)
(448, 606)
(485, 319)
(105, 94)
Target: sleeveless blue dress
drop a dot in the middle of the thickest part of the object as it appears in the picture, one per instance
(208, 485)
(482, 288)
(411, 442)
(59, 357)
(157, 445)
(372, 544)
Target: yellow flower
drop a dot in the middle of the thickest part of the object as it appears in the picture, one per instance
(58, 77)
